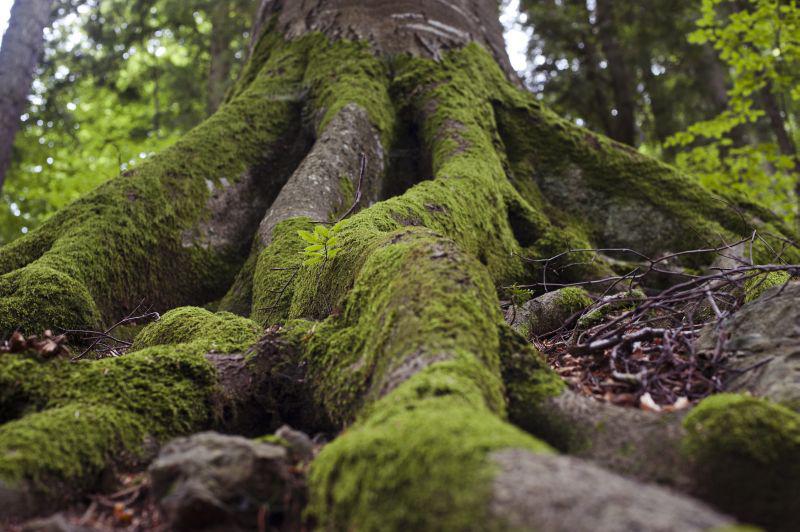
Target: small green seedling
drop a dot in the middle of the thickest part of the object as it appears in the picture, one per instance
(323, 244)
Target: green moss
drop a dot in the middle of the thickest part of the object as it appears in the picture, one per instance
(134, 237)
(757, 285)
(614, 194)
(276, 270)
(71, 442)
(420, 464)
(149, 395)
(402, 303)
(745, 454)
(344, 72)
(222, 331)
(239, 298)
(573, 299)
(529, 384)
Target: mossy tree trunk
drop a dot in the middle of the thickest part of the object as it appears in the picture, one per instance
(397, 343)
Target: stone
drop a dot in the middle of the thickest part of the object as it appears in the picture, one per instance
(212, 481)
(547, 312)
(761, 343)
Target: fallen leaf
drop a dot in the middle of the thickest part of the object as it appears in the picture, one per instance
(646, 403)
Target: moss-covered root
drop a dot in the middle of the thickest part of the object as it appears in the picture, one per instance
(432, 458)
(635, 443)
(736, 452)
(414, 359)
(745, 454)
(348, 95)
(321, 189)
(79, 419)
(164, 231)
(618, 196)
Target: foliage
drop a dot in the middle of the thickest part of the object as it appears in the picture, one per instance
(569, 68)
(119, 81)
(323, 244)
(698, 101)
(759, 41)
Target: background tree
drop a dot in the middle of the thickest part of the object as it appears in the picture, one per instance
(119, 81)
(645, 80)
(19, 54)
(718, 100)
(759, 42)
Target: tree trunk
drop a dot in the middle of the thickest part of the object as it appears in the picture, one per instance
(785, 143)
(19, 54)
(397, 342)
(219, 51)
(622, 80)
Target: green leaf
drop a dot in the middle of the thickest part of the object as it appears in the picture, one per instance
(308, 237)
(322, 232)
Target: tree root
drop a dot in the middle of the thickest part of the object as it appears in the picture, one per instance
(398, 341)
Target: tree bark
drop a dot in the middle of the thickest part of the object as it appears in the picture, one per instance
(397, 342)
(19, 54)
(622, 81)
(220, 67)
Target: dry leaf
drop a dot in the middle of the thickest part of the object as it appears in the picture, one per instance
(646, 403)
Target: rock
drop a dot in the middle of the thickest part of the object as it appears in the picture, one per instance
(300, 445)
(762, 345)
(213, 481)
(547, 312)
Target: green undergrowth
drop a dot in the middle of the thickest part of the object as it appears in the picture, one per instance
(745, 454)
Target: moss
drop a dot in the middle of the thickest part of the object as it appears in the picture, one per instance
(239, 298)
(745, 454)
(131, 239)
(615, 303)
(276, 270)
(529, 384)
(446, 309)
(222, 331)
(344, 72)
(757, 285)
(154, 393)
(26, 383)
(459, 133)
(615, 195)
(573, 299)
(420, 464)
(70, 442)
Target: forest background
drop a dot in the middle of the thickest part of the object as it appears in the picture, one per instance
(712, 86)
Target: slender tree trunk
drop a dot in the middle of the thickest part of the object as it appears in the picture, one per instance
(220, 68)
(397, 342)
(786, 145)
(19, 54)
(622, 80)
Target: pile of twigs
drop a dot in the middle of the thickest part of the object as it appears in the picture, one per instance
(645, 353)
